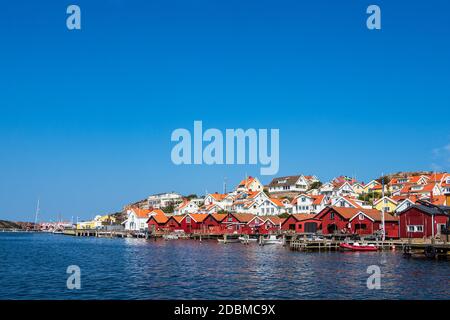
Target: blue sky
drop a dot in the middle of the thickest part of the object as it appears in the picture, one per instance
(86, 116)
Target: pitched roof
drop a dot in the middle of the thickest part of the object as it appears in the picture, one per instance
(159, 216)
(218, 196)
(348, 213)
(244, 217)
(284, 181)
(429, 209)
(277, 202)
(273, 219)
(219, 216)
(141, 213)
(246, 182)
(198, 217)
(303, 216)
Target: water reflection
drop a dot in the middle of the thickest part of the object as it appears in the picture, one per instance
(33, 267)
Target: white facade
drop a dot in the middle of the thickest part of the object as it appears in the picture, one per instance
(162, 200)
(134, 222)
(186, 207)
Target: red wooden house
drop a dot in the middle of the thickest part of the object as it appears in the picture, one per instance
(301, 223)
(356, 221)
(237, 223)
(157, 220)
(272, 224)
(174, 223)
(423, 221)
(193, 222)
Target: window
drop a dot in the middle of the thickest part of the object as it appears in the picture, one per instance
(387, 209)
(188, 219)
(332, 216)
(415, 228)
(303, 199)
(292, 227)
(300, 227)
(342, 203)
(361, 216)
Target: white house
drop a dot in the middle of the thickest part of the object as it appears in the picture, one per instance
(289, 184)
(270, 207)
(163, 200)
(347, 202)
(137, 219)
(308, 204)
(214, 198)
(250, 184)
(187, 206)
(403, 205)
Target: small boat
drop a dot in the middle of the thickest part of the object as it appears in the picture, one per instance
(170, 237)
(272, 239)
(247, 239)
(228, 239)
(357, 247)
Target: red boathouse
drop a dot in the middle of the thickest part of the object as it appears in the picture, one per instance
(357, 221)
(424, 221)
(301, 223)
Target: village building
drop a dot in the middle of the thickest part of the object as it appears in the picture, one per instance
(290, 185)
(137, 219)
(301, 223)
(360, 221)
(370, 186)
(163, 200)
(424, 221)
(308, 204)
(387, 204)
(250, 184)
(187, 206)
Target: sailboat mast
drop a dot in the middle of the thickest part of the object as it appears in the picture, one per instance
(382, 211)
(36, 214)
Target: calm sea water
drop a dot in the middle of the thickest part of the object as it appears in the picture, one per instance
(33, 266)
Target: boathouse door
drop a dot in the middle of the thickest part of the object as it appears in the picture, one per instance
(310, 227)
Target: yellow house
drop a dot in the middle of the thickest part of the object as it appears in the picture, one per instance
(86, 225)
(358, 188)
(369, 186)
(385, 203)
(97, 222)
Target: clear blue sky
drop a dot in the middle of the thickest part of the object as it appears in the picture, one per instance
(86, 116)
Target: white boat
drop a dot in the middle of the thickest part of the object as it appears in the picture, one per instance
(170, 237)
(228, 239)
(272, 239)
(243, 239)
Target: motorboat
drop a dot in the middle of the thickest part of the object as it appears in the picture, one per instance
(358, 247)
(272, 239)
(247, 239)
(228, 239)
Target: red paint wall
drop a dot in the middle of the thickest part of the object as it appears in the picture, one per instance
(414, 216)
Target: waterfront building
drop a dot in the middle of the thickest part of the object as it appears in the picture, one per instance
(301, 223)
(137, 219)
(360, 221)
(424, 221)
